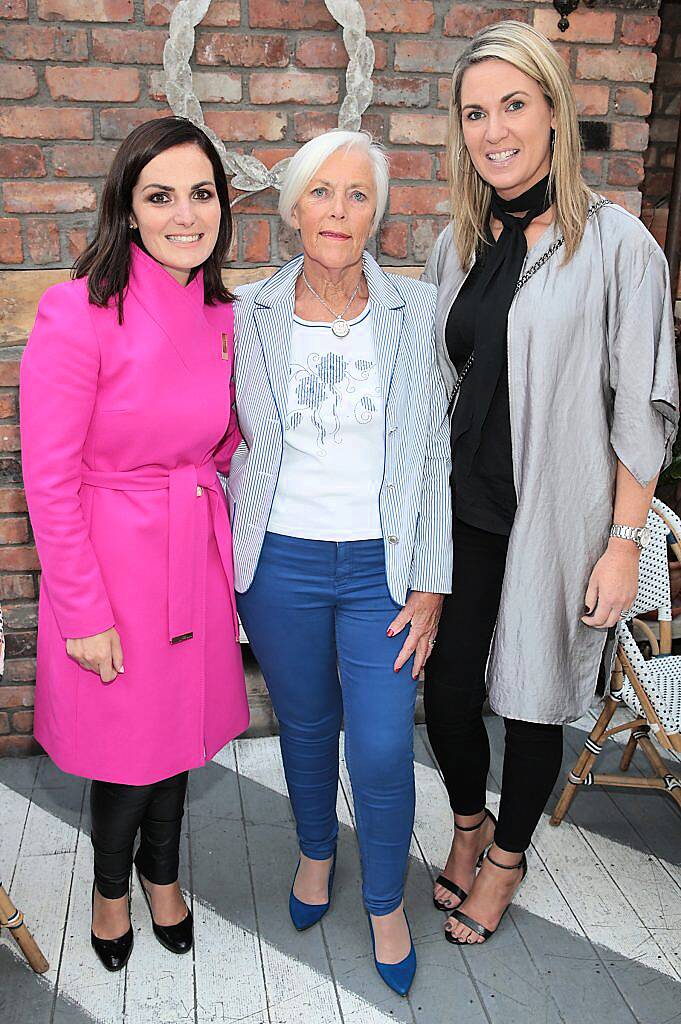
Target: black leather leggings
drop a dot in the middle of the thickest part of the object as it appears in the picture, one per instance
(455, 693)
(117, 812)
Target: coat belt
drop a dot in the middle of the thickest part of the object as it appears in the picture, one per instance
(185, 485)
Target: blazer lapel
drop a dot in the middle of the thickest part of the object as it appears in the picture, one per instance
(273, 315)
(387, 306)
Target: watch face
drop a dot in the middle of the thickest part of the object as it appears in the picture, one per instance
(645, 536)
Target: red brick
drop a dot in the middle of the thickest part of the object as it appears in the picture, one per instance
(223, 13)
(256, 240)
(42, 239)
(8, 406)
(86, 10)
(116, 123)
(18, 558)
(20, 670)
(289, 14)
(45, 123)
(632, 101)
(17, 82)
(13, 529)
(394, 238)
(257, 203)
(329, 52)
(442, 166)
(444, 93)
(592, 168)
(121, 46)
(292, 87)
(21, 616)
(77, 161)
(30, 42)
(592, 100)
(465, 20)
(48, 197)
(626, 65)
(12, 499)
(9, 367)
(17, 696)
(4, 724)
(233, 126)
(76, 242)
(585, 26)
(308, 125)
(9, 438)
(271, 156)
(640, 29)
(16, 586)
(629, 135)
(631, 200)
(388, 16)
(18, 746)
(401, 92)
(243, 51)
(209, 86)
(22, 722)
(411, 165)
(426, 129)
(17, 161)
(625, 170)
(11, 248)
(427, 55)
(13, 8)
(419, 199)
(112, 85)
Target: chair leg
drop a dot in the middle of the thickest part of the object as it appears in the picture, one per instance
(672, 783)
(581, 773)
(13, 919)
(630, 749)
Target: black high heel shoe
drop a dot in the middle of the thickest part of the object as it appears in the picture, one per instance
(445, 882)
(475, 926)
(113, 953)
(177, 938)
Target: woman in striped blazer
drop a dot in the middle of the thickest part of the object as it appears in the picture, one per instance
(341, 517)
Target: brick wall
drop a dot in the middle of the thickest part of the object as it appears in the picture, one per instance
(664, 121)
(78, 74)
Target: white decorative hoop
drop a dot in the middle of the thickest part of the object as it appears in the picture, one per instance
(249, 173)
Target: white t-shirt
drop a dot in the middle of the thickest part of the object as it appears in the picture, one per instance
(332, 466)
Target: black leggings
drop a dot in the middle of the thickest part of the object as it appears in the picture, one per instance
(455, 693)
(117, 812)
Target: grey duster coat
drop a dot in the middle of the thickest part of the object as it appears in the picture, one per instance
(592, 379)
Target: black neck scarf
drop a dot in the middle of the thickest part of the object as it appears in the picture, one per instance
(495, 289)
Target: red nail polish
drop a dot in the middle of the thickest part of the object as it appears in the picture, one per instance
(390, 632)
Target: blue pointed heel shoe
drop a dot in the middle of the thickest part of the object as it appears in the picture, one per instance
(304, 915)
(398, 976)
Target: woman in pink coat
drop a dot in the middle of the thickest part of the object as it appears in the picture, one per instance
(126, 417)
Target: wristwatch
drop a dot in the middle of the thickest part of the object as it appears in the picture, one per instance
(640, 535)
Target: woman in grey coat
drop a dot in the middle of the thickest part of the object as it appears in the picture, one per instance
(555, 338)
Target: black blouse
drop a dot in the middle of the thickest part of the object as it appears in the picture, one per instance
(485, 497)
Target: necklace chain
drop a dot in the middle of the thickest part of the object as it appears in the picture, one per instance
(338, 316)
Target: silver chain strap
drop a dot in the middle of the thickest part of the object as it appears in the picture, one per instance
(523, 279)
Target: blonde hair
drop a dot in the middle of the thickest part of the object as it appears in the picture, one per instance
(529, 51)
(314, 153)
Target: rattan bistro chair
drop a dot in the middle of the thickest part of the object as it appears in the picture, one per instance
(650, 690)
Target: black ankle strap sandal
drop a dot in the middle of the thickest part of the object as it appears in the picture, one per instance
(447, 883)
(475, 926)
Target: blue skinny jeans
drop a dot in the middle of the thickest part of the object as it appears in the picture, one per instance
(316, 616)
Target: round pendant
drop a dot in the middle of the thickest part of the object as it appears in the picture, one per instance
(340, 328)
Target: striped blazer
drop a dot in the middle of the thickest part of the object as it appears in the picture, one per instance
(415, 499)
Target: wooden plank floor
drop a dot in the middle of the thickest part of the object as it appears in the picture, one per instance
(594, 934)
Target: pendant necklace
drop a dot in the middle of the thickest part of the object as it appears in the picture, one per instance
(340, 327)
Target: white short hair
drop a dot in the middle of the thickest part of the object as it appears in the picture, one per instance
(313, 154)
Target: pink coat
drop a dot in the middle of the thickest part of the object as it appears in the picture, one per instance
(123, 428)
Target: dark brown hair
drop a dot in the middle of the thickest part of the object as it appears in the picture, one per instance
(106, 261)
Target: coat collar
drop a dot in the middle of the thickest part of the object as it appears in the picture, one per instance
(279, 288)
(273, 315)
